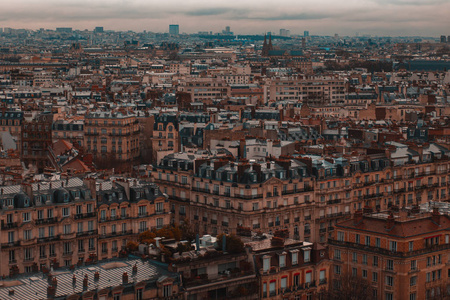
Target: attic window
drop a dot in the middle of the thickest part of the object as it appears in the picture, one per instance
(266, 263)
(294, 255)
(282, 259)
(307, 255)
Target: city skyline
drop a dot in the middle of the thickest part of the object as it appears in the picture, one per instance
(325, 17)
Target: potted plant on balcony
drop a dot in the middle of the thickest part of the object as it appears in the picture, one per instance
(35, 268)
(123, 253)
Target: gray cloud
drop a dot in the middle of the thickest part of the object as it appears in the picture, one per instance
(215, 11)
(292, 17)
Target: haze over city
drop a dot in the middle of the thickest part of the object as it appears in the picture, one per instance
(322, 17)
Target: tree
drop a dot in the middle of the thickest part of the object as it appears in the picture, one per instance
(147, 237)
(348, 287)
(233, 243)
(187, 231)
(132, 246)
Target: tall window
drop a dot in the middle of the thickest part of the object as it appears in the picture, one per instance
(167, 290)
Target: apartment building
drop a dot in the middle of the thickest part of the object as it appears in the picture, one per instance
(125, 209)
(202, 89)
(306, 194)
(165, 136)
(65, 222)
(312, 89)
(46, 224)
(174, 176)
(11, 121)
(210, 274)
(112, 135)
(289, 269)
(71, 130)
(402, 253)
(36, 138)
(227, 196)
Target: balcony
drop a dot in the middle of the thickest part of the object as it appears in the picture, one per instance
(201, 190)
(335, 201)
(11, 244)
(322, 281)
(387, 252)
(9, 225)
(28, 242)
(225, 224)
(70, 235)
(248, 197)
(85, 215)
(85, 233)
(46, 221)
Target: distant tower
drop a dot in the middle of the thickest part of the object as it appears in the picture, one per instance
(443, 39)
(270, 43)
(265, 50)
(174, 29)
(306, 33)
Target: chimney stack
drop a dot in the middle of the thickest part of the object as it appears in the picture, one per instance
(85, 282)
(125, 278)
(436, 216)
(390, 222)
(358, 217)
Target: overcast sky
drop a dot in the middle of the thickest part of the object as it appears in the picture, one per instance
(322, 17)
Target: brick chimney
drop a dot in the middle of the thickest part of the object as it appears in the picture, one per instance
(390, 222)
(358, 217)
(436, 216)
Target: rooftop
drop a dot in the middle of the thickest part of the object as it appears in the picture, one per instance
(35, 286)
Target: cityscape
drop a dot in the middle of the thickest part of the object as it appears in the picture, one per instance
(226, 162)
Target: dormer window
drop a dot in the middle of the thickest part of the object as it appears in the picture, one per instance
(282, 260)
(294, 255)
(266, 263)
(307, 255)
